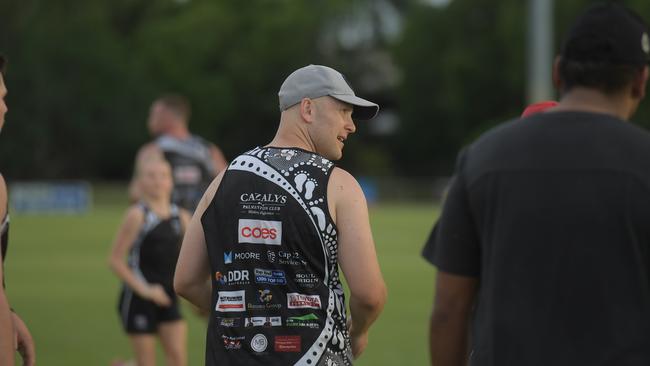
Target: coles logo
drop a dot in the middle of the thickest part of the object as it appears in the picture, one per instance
(300, 301)
(260, 232)
(231, 301)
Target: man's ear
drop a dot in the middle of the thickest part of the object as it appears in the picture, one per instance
(307, 110)
(640, 82)
(557, 80)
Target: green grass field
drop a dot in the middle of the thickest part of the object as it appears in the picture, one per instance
(59, 282)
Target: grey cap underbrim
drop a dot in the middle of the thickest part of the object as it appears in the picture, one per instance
(363, 109)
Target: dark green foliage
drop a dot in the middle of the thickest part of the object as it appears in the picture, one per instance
(82, 74)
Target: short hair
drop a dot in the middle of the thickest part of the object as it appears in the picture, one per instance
(604, 76)
(178, 104)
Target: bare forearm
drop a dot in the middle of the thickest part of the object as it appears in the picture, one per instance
(6, 332)
(448, 340)
(363, 314)
(198, 293)
(122, 271)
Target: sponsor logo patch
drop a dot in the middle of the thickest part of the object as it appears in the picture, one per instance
(231, 301)
(263, 198)
(259, 343)
(287, 344)
(187, 174)
(236, 277)
(262, 204)
(264, 321)
(270, 277)
(300, 301)
(229, 322)
(306, 280)
(285, 257)
(260, 232)
(265, 301)
(308, 321)
(231, 343)
(234, 256)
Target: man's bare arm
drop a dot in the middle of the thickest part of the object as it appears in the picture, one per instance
(449, 329)
(357, 255)
(6, 324)
(192, 277)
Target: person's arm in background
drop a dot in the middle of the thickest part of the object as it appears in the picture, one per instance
(357, 256)
(24, 341)
(457, 256)
(192, 276)
(6, 325)
(218, 159)
(449, 328)
(185, 218)
(124, 240)
(146, 152)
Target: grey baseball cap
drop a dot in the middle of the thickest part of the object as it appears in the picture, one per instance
(315, 81)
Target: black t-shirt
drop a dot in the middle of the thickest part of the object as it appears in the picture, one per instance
(276, 294)
(551, 214)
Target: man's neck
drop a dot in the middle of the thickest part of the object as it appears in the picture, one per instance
(594, 101)
(292, 137)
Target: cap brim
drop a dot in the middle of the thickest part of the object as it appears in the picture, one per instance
(363, 109)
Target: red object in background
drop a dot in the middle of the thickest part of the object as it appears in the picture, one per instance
(538, 107)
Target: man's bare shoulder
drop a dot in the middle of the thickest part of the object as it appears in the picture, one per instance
(342, 191)
(149, 147)
(342, 182)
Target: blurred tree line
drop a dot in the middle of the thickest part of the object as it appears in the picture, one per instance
(82, 75)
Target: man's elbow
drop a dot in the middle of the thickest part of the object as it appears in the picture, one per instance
(181, 286)
(374, 301)
(113, 263)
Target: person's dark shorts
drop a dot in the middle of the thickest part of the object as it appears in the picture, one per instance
(140, 316)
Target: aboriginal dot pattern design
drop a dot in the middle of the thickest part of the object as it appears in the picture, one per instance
(299, 172)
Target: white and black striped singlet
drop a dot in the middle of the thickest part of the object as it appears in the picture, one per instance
(192, 168)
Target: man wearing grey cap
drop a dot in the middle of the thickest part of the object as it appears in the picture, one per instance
(262, 252)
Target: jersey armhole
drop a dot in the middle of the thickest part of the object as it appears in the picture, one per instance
(327, 202)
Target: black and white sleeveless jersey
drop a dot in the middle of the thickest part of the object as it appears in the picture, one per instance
(272, 245)
(4, 240)
(4, 235)
(154, 254)
(192, 168)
